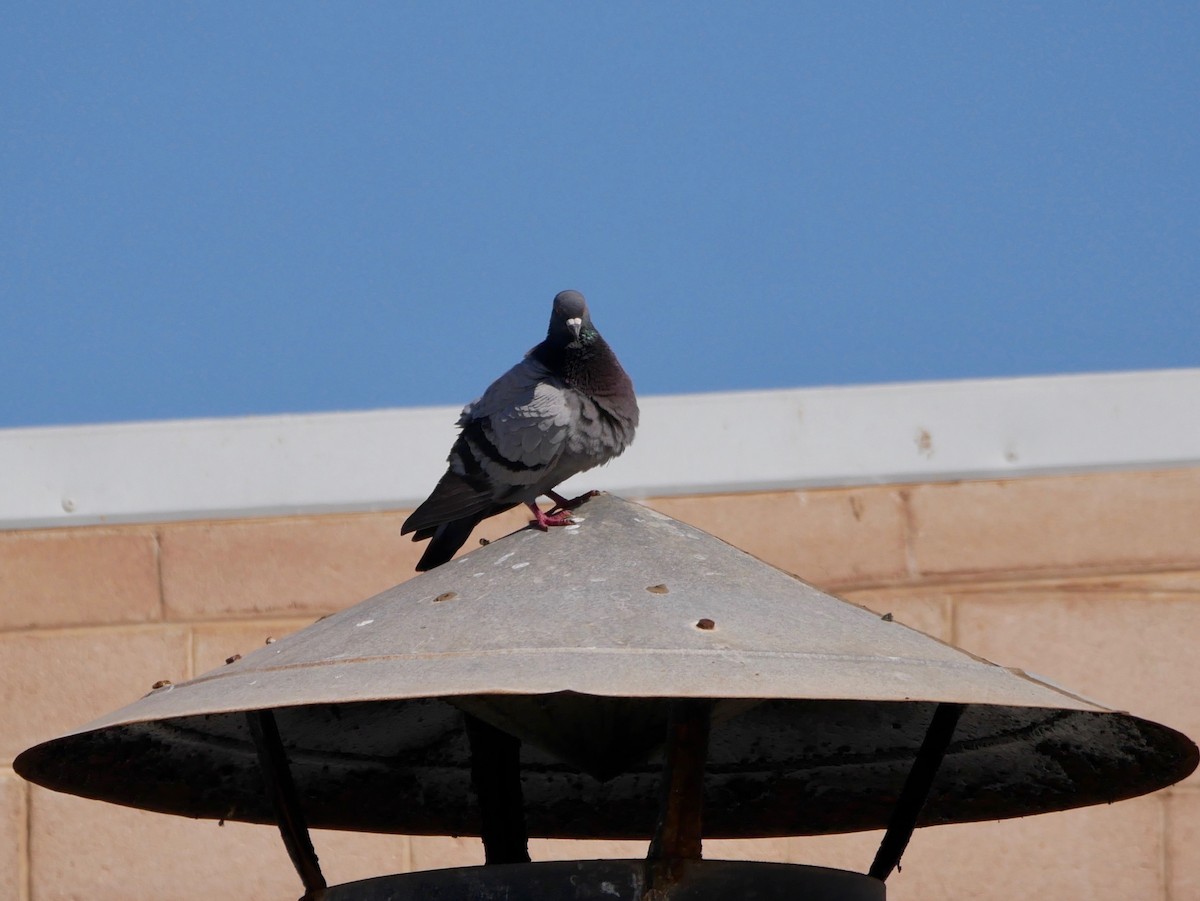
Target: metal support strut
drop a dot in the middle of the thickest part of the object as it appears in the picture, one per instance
(916, 790)
(678, 834)
(496, 778)
(277, 779)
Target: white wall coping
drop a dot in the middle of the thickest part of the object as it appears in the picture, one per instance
(687, 444)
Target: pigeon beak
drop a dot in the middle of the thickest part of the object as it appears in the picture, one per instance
(575, 325)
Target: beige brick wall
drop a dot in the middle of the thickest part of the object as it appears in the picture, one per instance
(1092, 580)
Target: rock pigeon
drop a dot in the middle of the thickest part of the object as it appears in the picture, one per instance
(566, 407)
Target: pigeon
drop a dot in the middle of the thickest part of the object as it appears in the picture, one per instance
(566, 407)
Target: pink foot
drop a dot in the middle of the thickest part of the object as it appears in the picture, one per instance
(545, 520)
(561, 503)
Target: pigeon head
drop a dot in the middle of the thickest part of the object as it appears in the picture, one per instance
(570, 322)
(575, 352)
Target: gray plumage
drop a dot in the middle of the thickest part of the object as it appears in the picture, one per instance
(566, 407)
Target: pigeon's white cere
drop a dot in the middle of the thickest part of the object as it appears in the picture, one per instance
(575, 324)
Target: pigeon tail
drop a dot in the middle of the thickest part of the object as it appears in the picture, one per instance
(447, 539)
(453, 498)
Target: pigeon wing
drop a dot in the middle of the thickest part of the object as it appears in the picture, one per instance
(518, 428)
(510, 439)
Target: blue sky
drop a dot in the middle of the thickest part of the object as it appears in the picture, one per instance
(217, 209)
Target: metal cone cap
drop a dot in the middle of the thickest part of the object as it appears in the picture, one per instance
(575, 640)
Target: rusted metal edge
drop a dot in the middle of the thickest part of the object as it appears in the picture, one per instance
(277, 780)
(916, 790)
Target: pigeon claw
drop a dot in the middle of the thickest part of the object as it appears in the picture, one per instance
(544, 521)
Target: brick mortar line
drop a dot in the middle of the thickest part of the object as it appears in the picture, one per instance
(1130, 568)
(1164, 841)
(82, 629)
(1003, 577)
(406, 857)
(79, 631)
(65, 531)
(189, 663)
(158, 572)
(311, 615)
(908, 528)
(25, 846)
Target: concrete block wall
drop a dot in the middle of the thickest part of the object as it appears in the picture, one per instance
(1092, 580)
